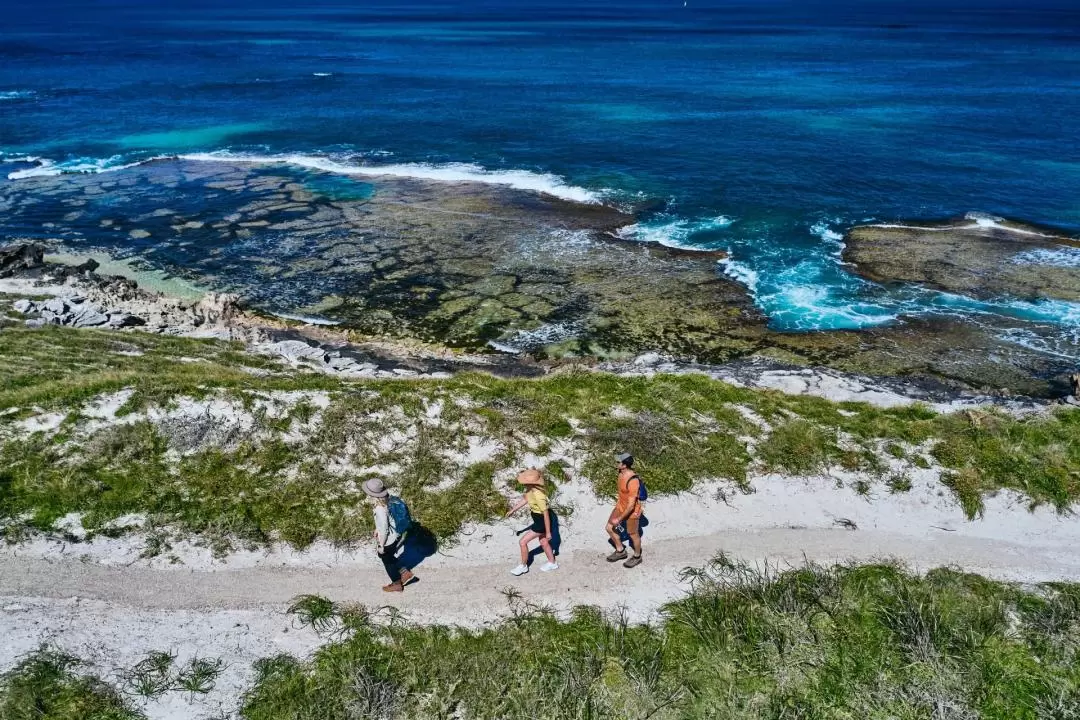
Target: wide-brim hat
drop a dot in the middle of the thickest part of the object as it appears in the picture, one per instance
(531, 476)
(375, 488)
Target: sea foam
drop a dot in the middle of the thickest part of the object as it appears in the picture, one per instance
(1060, 257)
(673, 233)
(741, 273)
(49, 168)
(545, 183)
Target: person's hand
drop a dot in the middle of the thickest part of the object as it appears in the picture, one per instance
(548, 537)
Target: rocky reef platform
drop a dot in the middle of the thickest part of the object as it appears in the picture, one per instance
(475, 267)
(978, 256)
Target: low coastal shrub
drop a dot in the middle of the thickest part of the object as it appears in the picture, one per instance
(48, 685)
(868, 641)
(295, 476)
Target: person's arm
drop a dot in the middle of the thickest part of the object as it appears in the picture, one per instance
(520, 504)
(382, 526)
(547, 524)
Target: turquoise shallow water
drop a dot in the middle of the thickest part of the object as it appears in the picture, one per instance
(766, 128)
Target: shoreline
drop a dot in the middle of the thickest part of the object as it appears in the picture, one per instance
(337, 351)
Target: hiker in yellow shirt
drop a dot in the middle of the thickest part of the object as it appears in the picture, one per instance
(537, 500)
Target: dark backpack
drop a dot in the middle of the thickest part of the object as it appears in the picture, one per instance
(400, 519)
(642, 492)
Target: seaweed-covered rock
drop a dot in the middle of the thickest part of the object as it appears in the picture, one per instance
(977, 256)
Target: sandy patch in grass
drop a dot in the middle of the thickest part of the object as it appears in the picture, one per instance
(114, 638)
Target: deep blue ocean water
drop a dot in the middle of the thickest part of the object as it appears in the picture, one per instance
(768, 127)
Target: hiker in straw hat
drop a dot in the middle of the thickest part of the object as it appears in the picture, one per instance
(392, 523)
(537, 500)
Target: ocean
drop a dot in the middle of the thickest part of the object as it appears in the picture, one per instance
(762, 128)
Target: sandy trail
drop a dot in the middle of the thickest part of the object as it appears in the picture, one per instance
(100, 602)
(453, 591)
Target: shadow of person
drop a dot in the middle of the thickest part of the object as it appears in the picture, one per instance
(420, 544)
(556, 539)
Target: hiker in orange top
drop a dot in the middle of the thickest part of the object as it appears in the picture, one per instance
(627, 512)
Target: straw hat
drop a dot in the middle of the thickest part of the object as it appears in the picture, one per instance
(375, 488)
(531, 476)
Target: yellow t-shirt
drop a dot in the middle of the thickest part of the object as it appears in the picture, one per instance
(538, 500)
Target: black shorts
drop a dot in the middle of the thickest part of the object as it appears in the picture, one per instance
(538, 525)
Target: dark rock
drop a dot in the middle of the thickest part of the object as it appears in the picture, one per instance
(124, 320)
(87, 267)
(19, 257)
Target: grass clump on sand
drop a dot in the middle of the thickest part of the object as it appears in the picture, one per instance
(46, 686)
(813, 642)
(446, 445)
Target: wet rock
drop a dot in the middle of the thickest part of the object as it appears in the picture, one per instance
(977, 256)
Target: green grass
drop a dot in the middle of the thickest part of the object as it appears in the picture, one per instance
(47, 686)
(813, 642)
(279, 482)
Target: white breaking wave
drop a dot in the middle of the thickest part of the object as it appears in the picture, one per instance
(980, 220)
(16, 94)
(674, 233)
(740, 273)
(49, 168)
(825, 232)
(545, 183)
(1063, 257)
(322, 74)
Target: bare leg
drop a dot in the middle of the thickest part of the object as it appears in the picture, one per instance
(546, 544)
(633, 530)
(614, 535)
(523, 543)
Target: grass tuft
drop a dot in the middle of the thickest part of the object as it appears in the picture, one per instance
(47, 685)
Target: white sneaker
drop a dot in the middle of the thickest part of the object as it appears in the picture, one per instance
(548, 567)
(520, 570)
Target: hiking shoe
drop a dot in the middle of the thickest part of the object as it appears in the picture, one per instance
(406, 577)
(617, 555)
(520, 570)
(393, 587)
(548, 567)
(632, 562)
